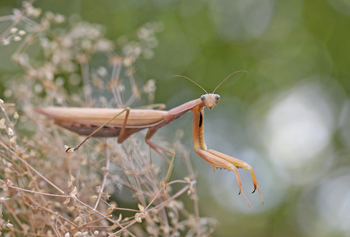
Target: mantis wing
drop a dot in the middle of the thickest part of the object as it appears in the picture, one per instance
(84, 121)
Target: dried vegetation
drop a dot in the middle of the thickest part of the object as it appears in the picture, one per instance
(46, 192)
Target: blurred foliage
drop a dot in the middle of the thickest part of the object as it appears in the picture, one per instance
(288, 117)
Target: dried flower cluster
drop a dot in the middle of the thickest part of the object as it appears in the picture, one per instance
(47, 192)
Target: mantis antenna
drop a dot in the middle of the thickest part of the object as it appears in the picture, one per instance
(216, 87)
(228, 77)
(191, 81)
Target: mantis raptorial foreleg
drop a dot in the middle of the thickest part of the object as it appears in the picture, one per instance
(214, 158)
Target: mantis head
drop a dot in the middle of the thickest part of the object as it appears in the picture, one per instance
(210, 100)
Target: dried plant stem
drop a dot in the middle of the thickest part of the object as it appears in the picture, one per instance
(41, 193)
(117, 66)
(23, 46)
(8, 28)
(52, 212)
(194, 194)
(85, 75)
(114, 178)
(54, 228)
(147, 211)
(14, 215)
(104, 178)
(90, 223)
(69, 172)
(31, 167)
(95, 211)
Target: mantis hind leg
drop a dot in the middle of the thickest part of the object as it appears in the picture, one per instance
(121, 135)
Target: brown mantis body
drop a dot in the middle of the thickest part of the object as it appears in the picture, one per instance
(123, 123)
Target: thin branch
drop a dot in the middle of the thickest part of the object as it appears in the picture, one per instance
(31, 167)
(104, 178)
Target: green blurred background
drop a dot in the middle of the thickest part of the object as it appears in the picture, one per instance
(288, 117)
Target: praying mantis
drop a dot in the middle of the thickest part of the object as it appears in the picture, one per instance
(122, 123)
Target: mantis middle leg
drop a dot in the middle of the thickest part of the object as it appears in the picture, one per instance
(156, 148)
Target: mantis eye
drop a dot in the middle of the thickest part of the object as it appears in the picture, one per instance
(217, 97)
(203, 98)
